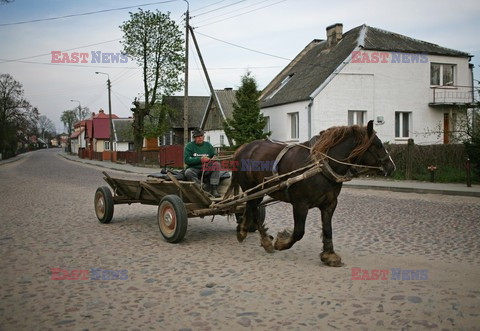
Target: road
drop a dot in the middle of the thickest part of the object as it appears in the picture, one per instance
(210, 281)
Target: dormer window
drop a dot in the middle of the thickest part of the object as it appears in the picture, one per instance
(442, 74)
(282, 84)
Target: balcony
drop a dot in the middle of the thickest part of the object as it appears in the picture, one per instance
(454, 95)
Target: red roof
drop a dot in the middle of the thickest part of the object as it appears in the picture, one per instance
(101, 128)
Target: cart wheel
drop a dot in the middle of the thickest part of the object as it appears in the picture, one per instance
(103, 204)
(252, 227)
(172, 218)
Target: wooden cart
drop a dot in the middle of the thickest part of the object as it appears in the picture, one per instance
(176, 201)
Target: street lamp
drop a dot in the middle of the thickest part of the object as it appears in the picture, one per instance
(80, 118)
(109, 85)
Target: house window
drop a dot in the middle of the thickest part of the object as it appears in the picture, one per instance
(131, 146)
(282, 84)
(442, 74)
(222, 140)
(356, 117)
(106, 145)
(266, 128)
(403, 123)
(293, 125)
(208, 138)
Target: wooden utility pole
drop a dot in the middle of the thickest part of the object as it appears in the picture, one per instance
(185, 98)
(210, 86)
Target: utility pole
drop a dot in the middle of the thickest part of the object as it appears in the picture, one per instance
(109, 85)
(209, 82)
(185, 98)
(80, 119)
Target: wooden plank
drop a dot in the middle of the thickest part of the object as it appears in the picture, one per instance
(185, 193)
(156, 194)
(199, 195)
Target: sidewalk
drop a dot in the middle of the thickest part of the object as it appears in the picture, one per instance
(364, 183)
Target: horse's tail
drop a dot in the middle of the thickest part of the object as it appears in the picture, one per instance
(234, 187)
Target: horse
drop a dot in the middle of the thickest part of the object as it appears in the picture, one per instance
(339, 150)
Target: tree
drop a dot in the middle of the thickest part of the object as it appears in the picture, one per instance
(68, 118)
(247, 123)
(17, 117)
(46, 128)
(155, 42)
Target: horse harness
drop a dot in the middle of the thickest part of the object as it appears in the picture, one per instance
(326, 168)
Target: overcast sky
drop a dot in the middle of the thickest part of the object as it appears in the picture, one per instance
(280, 28)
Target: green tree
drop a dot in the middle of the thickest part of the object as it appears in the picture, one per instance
(17, 117)
(68, 118)
(247, 123)
(156, 122)
(155, 42)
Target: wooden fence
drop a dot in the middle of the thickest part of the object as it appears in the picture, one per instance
(171, 156)
(412, 158)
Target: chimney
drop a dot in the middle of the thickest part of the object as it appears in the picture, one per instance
(101, 111)
(334, 34)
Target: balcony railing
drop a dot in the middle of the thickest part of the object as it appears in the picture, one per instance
(451, 95)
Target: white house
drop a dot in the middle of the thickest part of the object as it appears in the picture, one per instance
(410, 88)
(123, 134)
(213, 118)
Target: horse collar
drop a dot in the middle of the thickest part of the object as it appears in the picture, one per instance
(332, 175)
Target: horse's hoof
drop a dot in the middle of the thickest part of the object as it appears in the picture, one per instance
(267, 245)
(283, 240)
(241, 235)
(331, 259)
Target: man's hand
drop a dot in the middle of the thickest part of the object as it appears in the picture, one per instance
(205, 159)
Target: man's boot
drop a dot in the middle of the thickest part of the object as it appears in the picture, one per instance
(214, 191)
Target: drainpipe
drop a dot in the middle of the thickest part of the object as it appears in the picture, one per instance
(309, 116)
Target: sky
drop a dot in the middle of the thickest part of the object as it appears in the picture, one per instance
(234, 36)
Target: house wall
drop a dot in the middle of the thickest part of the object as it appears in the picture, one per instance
(121, 146)
(279, 121)
(99, 145)
(214, 136)
(380, 89)
(384, 88)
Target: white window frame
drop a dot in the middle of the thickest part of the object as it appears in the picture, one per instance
(400, 123)
(442, 66)
(106, 145)
(266, 128)
(222, 140)
(293, 120)
(353, 117)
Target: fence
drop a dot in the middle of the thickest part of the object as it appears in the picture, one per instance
(171, 156)
(412, 159)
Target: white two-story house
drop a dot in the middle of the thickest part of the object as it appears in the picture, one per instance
(410, 88)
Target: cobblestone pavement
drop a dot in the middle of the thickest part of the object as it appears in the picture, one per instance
(210, 281)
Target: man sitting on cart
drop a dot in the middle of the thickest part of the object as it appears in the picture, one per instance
(198, 156)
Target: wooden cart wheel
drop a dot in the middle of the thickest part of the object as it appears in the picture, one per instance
(172, 218)
(252, 227)
(103, 204)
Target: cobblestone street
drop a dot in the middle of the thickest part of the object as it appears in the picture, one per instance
(210, 281)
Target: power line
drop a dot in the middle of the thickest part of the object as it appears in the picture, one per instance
(242, 47)
(230, 12)
(275, 3)
(213, 4)
(219, 8)
(65, 50)
(85, 14)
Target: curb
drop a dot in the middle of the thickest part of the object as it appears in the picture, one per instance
(414, 190)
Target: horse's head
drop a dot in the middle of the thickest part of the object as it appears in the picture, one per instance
(376, 154)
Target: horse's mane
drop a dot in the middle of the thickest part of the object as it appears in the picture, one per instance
(335, 135)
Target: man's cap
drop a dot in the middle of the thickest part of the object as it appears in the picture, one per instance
(198, 132)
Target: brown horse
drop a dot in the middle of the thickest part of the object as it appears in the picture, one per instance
(349, 145)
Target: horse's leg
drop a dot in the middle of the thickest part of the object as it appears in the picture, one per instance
(252, 215)
(286, 238)
(328, 256)
(242, 229)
